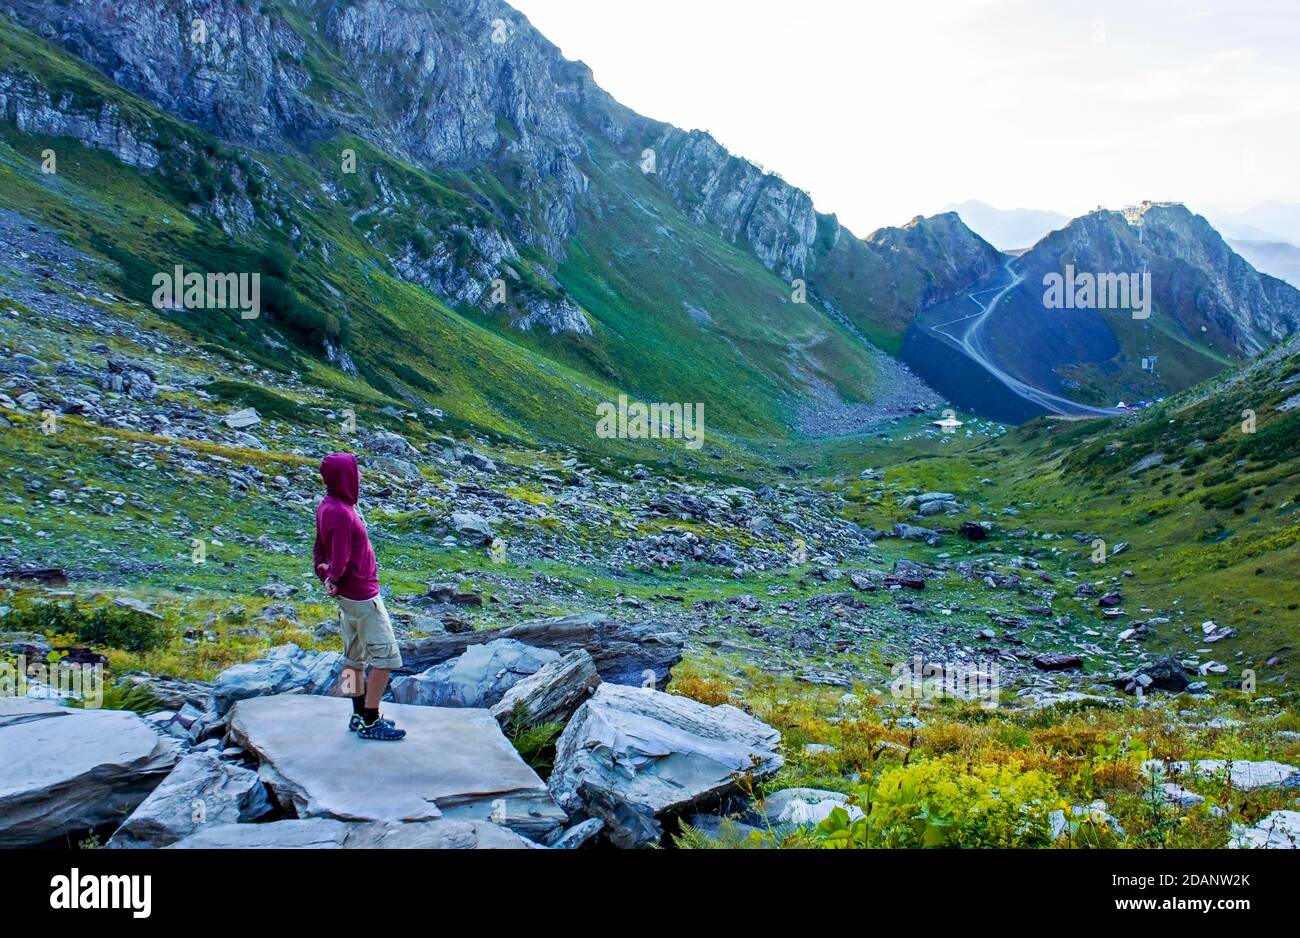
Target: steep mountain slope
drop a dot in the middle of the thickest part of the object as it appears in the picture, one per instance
(1205, 491)
(1207, 307)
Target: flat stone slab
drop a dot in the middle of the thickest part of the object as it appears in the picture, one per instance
(64, 770)
(454, 763)
(328, 834)
(15, 710)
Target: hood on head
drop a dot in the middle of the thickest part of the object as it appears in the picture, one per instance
(342, 477)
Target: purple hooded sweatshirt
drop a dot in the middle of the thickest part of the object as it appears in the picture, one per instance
(341, 539)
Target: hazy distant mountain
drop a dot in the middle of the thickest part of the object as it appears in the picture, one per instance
(1277, 258)
(1267, 221)
(1008, 229)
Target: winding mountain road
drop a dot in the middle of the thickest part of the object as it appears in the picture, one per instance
(971, 343)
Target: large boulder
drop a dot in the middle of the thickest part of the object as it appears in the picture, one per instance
(478, 678)
(472, 525)
(1057, 661)
(624, 652)
(242, 419)
(398, 468)
(631, 754)
(1163, 673)
(385, 443)
(286, 669)
(203, 790)
(454, 763)
(328, 834)
(64, 771)
(553, 693)
(910, 532)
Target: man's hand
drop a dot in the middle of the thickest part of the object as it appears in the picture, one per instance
(331, 588)
(322, 569)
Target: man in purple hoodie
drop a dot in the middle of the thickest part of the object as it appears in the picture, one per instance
(345, 563)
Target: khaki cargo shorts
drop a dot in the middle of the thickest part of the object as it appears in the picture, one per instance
(368, 637)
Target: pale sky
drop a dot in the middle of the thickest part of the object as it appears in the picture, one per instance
(883, 111)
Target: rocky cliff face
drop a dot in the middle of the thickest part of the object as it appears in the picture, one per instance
(34, 109)
(1254, 309)
(946, 254)
(231, 67)
(736, 198)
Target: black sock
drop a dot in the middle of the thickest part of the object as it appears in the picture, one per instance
(359, 704)
(369, 715)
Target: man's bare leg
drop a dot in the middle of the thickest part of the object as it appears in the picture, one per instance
(375, 687)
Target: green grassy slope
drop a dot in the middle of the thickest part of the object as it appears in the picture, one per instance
(1210, 512)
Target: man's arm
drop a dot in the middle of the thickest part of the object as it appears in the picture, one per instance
(319, 556)
(337, 548)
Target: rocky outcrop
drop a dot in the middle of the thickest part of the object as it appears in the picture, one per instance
(1242, 773)
(552, 694)
(201, 791)
(1280, 830)
(64, 771)
(453, 763)
(468, 82)
(631, 754)
(245, 81)
(624, 653)
(741, 202)
(98, 125)
(461, 267)
(478, 678)
(554, 316)
(286, 669)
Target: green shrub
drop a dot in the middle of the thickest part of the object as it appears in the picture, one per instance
(103, 626)
(943, 803)
(122, 628)
(268, 403)
(1226, 497)
(534, 742)
(126, 697)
